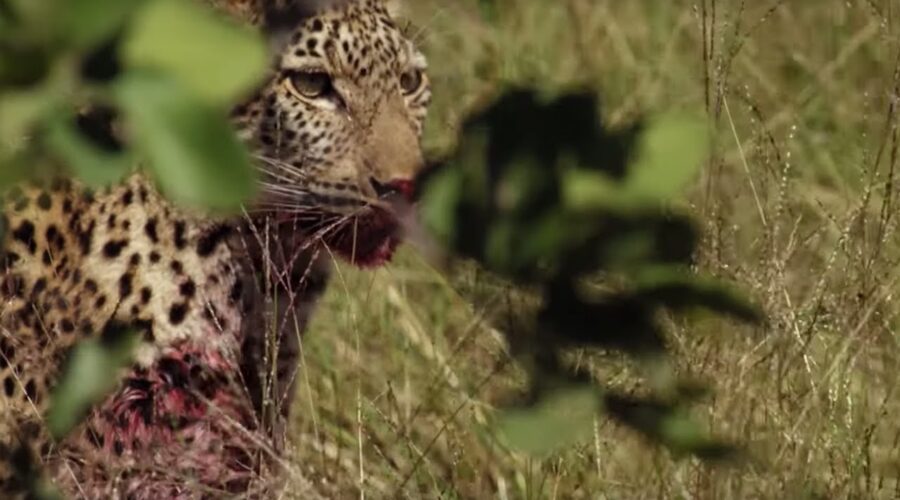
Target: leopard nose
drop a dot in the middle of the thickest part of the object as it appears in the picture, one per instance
(404, 188)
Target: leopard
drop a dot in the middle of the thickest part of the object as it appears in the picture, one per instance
(219, 301)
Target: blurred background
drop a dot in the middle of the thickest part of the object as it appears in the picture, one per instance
(796, 205)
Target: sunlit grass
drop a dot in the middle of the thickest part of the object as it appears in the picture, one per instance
(797, 206)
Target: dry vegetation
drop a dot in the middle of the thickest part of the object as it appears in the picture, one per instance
(797, 204)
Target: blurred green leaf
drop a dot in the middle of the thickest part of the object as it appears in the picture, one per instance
(439, 201)
(19, 114)
(455, 197)
(561, 418)
(668, 424)
(519, 185)
(681, 433)
(556, 201)
(679, 289)
(548, 238)
(216, 59)
(585, 189)
(15, 167)
(85, 23)
(44, 489)
(611, 322)
(7, 16)
(631, 247)
(22, 64)
(90, 373)
(33, 17)
(92, 165)
(500, 248)
(192, 150)
(669, 154)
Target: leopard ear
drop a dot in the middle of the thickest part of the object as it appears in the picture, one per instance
(279, 18)
(285, 15)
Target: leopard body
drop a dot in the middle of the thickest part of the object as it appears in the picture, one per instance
(219, 301)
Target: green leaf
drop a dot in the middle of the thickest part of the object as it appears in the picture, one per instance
(15, 168)
(683, 434)
(93, 166)
(91, 372)
(191, 148)
(19, 113)
(589, 189)
(670, 152)
(86, 23)
(679, 289)
(668, 424)
(561, 418)
(22, 64)
(547, 238)
(438, 203)
(500, 246)
(216, 59)
(7, 15)
(32, 17)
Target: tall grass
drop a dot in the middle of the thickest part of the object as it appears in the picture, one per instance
(797, 204)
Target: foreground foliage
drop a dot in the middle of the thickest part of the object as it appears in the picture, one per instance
(162, 73)
(101, 88)
(563, 208)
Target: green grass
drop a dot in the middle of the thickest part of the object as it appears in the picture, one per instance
(797, 205)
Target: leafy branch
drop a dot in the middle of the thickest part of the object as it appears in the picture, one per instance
(163, 73)
(542, 196)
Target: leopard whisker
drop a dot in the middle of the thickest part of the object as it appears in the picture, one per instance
(283, 166)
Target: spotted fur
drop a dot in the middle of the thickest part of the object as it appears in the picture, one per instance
(220, 302)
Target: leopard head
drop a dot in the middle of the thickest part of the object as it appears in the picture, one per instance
(336, 128)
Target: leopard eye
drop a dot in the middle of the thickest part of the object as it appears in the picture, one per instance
(311, 85)
(411, 80)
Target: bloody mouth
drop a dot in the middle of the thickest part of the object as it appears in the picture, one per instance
(368, 240)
